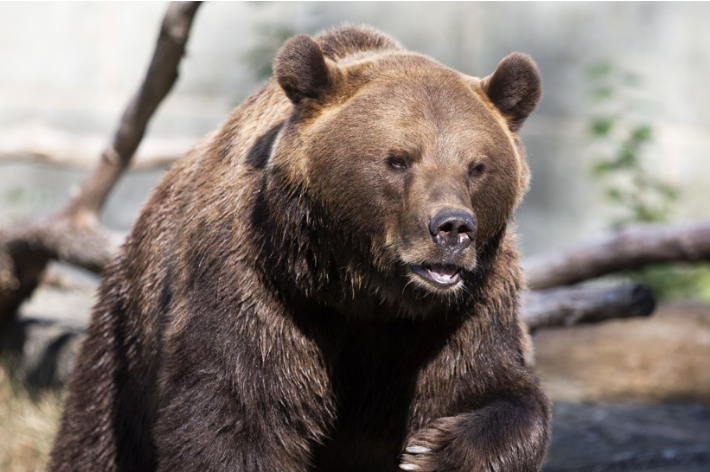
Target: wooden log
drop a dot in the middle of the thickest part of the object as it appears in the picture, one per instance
(631, 248)
(567, 306)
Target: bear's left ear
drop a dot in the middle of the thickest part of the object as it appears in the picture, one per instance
(302, 70)
(514, 88)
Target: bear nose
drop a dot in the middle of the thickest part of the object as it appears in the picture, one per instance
(453, 228)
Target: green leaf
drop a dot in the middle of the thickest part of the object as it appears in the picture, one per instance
(602, 92)
(668, 191)
(615, 195)
(627, 157)
(599, 70)
(642, 133)
(631, 80)
(601, 127)
(601, 168)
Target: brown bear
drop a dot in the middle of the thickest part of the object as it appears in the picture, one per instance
(328, 283)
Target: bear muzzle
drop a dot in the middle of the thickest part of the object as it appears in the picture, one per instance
(452, 231)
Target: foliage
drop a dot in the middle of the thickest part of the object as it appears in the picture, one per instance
(678, 281)
(621, 143)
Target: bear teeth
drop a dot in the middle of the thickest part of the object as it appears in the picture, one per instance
(438, 274)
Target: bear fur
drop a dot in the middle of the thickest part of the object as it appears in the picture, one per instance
(327, 283)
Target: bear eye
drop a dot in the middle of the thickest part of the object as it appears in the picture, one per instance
(475, 169)
(398, 160)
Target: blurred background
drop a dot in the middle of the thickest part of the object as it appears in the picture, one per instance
(71, 67)
(621, 136)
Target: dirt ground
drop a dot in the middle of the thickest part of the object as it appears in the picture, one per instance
(664, 358)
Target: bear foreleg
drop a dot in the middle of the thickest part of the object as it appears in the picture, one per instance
(504, 436)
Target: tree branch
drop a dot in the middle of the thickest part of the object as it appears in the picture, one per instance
(631, 248)
(74, 234)
(45, 145)
(162, 74)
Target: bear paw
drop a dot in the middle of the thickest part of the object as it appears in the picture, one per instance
(479, 441)
(425, 450)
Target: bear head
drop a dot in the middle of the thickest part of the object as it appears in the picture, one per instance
(408, 169)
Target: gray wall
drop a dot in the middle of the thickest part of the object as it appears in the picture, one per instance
(72, 67)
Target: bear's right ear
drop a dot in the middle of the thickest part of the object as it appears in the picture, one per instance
(302, 70)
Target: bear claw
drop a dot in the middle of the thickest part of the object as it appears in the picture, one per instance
(418, 450)
(409, 467)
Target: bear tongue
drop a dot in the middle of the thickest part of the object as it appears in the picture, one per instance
(443, 274)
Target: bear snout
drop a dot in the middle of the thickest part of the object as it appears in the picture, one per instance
(452, 230)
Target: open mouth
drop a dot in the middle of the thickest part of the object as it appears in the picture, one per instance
(441, 275)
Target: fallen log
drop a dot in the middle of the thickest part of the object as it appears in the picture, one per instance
(631, 248)
(567, 306)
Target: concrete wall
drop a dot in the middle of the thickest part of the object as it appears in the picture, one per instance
(72, 67)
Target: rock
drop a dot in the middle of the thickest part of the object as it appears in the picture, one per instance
(46, 338)
(633, 438)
